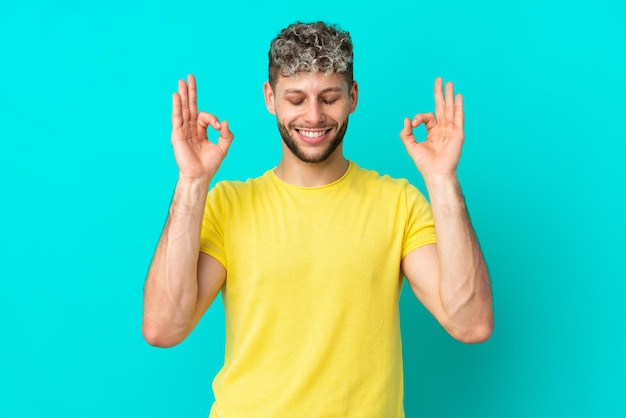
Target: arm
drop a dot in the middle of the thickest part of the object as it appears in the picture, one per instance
(450, 277)
(182, 282)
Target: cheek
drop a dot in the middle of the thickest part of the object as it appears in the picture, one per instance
(286, 116)
(341, 113)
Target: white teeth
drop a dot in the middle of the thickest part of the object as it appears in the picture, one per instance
(312, 134)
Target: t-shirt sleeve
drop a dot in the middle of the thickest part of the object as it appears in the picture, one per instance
(420, 227)
(212, 232)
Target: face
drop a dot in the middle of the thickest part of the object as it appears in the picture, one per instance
(312, 112)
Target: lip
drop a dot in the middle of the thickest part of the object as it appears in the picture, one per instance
(314, 140)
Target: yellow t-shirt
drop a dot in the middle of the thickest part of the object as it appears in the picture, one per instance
(311, 294)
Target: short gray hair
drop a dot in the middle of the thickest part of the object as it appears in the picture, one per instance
(311, 47)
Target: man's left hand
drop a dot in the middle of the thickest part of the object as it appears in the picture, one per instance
(438, 155)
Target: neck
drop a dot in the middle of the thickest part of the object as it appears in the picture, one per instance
(299, 173)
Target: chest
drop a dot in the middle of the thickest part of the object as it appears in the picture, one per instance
(320, 238)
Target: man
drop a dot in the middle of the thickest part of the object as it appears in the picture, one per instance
(310, 257)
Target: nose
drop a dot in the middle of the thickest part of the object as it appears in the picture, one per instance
(313, 113)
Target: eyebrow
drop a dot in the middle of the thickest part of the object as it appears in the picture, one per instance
(326, 90)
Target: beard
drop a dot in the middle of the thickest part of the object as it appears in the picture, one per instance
(320, 155)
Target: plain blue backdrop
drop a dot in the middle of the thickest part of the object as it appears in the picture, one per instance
(87, 173)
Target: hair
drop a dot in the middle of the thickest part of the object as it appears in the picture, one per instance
(311, 47)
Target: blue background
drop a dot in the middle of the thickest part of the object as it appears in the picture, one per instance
(87, 173)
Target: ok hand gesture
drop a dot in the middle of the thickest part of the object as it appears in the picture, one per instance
(439, 154)
(196, 156)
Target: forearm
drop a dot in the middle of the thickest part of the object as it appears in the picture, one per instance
(464, 285)
(171, 289)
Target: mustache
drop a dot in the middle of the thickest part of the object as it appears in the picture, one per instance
(324, 126)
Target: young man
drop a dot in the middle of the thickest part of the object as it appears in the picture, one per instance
(310, 257)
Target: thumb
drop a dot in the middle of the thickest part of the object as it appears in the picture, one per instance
(406, 134)
(226, 136)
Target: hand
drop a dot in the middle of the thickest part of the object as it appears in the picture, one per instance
(439, 154)
(196, 156)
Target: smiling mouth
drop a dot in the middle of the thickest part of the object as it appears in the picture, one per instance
(312, 134)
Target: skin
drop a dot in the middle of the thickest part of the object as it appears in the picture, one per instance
(450, 278)
(182, 282)
(311, 102)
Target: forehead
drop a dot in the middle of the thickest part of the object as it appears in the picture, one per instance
(311, 83)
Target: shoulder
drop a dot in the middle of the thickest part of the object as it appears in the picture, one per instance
(386, 188)
(238, 187)
(234, 193)
(385, 181)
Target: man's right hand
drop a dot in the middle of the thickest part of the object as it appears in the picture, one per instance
(196, 156)
(183, 282)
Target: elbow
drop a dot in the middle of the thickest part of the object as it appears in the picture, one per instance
(478, 333)
(157, 337)
(478, 336)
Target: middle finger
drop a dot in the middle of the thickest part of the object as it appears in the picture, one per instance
(193, 102)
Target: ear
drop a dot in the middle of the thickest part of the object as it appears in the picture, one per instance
(354, 96)
(268, 93)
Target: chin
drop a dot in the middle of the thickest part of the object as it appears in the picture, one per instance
(313, 153)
